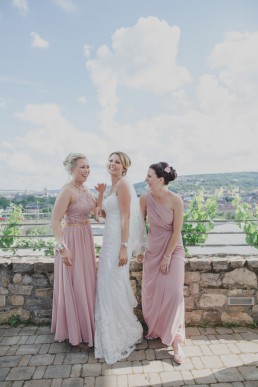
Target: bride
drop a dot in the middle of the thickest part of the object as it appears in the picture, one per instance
(117, 329)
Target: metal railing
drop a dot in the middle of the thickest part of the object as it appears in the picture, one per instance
(98, 228)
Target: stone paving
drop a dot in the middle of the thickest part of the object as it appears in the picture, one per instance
(216, 357)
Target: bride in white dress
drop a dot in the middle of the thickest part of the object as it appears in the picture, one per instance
(117, 329)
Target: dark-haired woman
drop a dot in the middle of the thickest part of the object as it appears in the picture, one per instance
(163, 261)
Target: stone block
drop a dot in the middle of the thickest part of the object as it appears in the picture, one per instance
(44, 293)
(210, 301)
(210, 280)
(242, 278)
(17, 300)
(26, 280)
(23, 267)
(2, 301)
(219, 264)
(20, 289)
(236, 318)
(44, 267)
(17, 278)
(200, 264)
(192, 276)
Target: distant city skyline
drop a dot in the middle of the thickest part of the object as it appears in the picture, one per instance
(173, 81)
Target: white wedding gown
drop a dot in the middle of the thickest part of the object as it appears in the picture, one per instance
(117, 329)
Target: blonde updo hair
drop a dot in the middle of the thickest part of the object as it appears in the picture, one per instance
(71, 160)
(125, 160)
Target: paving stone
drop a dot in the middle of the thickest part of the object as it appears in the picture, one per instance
(39, 373)
(138, 380)
(4, 349)
(193, 350)
(22, 340)
(248, 358)
(137, 355)
(28, 349)
(44, 348)
(76, 371)
(44, 339)
(59, 358)
(10, 361)
(154, 366)
(75, 358)
(42, 360)
(91, 370)
(203, 376)
(57, 371)
(231, 360)
(24, 361)
(228, 375)
(20, 373)
(89, 382)
(249, 372)
(6, 384)
(247, 347)
(12, 350)
(38, 383)
(171, 379)
(10, 340)
(106, 381)
(197, 363)
(31, 339)
(12, 332)
(27, 331)
(150, 354)
(219, 349)
(187, 377)
(72, 382)
(56, 382)
(3, 372)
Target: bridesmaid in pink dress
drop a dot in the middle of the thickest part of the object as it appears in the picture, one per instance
(163, 261)
(75, 263)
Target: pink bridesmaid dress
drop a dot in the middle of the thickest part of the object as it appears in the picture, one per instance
(162, 294)
(74, 286)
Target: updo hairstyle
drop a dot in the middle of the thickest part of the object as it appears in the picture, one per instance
(162, 169)
(125, 160)
(71, 160)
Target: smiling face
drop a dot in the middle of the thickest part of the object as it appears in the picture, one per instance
(115, 166)
(153, 180)
(81, 171)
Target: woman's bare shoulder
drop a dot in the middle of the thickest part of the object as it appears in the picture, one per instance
(175, 198)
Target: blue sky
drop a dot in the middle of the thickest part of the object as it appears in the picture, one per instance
(163, 80)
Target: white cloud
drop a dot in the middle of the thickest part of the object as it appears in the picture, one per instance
(82, 100)
(21, 5)
(143, 57)
(67, 5)
(42, 149)
(86, 50)
(37, 41)
(236, 59)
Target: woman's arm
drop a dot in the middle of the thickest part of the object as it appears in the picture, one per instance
(61, 204)
(143, 207)
(177, 228)
(124, 199)
(100, 188)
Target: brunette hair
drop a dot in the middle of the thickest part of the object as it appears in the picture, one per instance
(162, 169)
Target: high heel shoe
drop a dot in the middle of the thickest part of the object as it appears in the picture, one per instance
(179, 355)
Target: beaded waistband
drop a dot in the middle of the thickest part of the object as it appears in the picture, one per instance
(76, 223)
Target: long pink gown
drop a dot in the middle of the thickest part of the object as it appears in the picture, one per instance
(74, 286)
(162, 294)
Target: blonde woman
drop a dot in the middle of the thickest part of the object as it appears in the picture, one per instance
(117, 329)
(75, 263)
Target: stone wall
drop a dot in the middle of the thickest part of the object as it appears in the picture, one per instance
(26, 288)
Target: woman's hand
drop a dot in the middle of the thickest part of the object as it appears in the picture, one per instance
(123, 257)
(100, 188)
(139, 258)
(97, 213)
(164, 266)
(66, 257)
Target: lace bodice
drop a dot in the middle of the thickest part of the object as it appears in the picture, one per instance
(80, 209)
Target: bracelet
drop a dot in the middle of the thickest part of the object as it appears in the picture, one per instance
(60, 247)
(166, 258)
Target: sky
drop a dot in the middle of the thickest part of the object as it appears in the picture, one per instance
(162, 80)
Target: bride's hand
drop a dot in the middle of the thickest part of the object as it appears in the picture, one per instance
(123, 258)
(100, 188)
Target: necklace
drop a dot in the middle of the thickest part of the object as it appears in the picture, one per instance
(77, 186)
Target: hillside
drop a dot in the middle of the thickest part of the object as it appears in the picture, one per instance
(244, 181)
